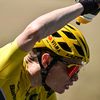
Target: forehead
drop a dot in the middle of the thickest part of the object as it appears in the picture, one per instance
(72, 60)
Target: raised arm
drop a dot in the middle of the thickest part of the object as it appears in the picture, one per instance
(47, 24)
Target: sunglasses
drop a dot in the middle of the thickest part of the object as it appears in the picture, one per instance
(72, 69)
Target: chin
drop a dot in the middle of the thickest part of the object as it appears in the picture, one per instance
(60, 91)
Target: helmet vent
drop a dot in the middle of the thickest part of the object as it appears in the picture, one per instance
(70, 27)
(64, 46)
(69, 35)
(56, 34)
(83, 44)
(79, 49)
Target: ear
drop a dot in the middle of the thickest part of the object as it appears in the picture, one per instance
(45, 59)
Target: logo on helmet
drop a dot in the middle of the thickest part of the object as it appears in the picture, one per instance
(50, 38)
(54, 44)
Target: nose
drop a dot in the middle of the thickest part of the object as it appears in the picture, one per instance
(71, 80)
(74, 77)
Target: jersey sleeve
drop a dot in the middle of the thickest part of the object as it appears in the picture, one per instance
(11, 57)
(52, 97)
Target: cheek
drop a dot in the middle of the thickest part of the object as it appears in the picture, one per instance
(57, 75)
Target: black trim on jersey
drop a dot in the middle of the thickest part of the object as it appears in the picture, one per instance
(1, 96)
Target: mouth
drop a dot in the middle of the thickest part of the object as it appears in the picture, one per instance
(64, 87)
(62, 90)
(68, 85)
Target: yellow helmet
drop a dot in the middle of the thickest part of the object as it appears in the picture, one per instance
(67, 42)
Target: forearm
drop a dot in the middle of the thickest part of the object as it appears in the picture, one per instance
(47, 24)
(56, 19)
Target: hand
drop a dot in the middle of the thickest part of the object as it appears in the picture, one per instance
(89, 5)
(99, 5)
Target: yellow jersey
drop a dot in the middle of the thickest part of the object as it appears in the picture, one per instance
(14, 81)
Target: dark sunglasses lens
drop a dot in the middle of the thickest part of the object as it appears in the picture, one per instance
(73, 70)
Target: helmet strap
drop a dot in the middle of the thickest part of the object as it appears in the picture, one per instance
(44, 71)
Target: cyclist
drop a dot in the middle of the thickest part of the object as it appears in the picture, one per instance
(31, 70)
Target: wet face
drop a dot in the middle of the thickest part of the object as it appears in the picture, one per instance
(58, 79)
